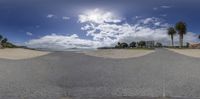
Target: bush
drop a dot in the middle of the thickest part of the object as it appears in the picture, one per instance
(142, 44)
(8, 45)
(187, 45)
(158, 44)
(121, 45)
(132, 44)
(124, 45)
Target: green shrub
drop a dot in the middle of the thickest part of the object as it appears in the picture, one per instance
(8, 45)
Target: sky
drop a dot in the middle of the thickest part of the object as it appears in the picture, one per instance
(63, 24)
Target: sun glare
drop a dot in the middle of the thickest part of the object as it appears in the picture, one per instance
(94, 15)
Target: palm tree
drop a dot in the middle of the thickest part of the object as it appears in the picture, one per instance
(124, 45)
(4, 41)
(171, 32)
(182, 30)
(1, 37)
(132, 44)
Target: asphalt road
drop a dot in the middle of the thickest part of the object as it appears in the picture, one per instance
(68, 75)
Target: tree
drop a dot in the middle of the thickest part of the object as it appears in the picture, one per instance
(182, 30)
(132, 44)
(1, 37)
(171, 32)
(4, 41)
(142, 44)
(158, 44)
(118, 45)
(199, 37)
(124, 45)
(187, 45)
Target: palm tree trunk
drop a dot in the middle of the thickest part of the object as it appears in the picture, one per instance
(172, 38)
(181, 40)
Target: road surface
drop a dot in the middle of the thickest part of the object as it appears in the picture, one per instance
(68, 75)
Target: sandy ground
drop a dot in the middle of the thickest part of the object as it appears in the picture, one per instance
(188, 52)
(118, 53)
(19, 53)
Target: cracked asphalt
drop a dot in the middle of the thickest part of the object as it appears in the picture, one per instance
(69, 75)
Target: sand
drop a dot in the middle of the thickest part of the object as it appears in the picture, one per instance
(188, 52)
(20, 53)
(118, 53)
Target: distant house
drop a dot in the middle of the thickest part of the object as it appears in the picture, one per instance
(194, 45)
(150, 44)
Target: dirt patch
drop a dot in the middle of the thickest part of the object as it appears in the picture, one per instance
(19, 53)
(187, 52)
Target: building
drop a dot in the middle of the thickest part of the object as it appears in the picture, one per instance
(150, 44)
(194, 45)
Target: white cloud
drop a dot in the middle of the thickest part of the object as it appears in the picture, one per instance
(112, 33)
(98, 16)
(165, 7)
(157, 24)
(153, 21)
(60, 42)
(65, 18)
(29, 33)
(148, 20)
(163, 15)
(137, 17)
(37, 26)
(107, 32)
(145, 29)
(191, 37)
(155, 8)
(50, 16)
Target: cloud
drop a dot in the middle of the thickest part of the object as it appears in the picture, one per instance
(61, 42)
(37, 26)
(50, 16)
(165, 7)
(163, 15)
(98, 16)
(136, 17)
(153, 22)
(108, 30)
(29, 33)
(144, 29)
(54, 16)
(65, 18)
(155, 8)
(149, 20)
(112, 33)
